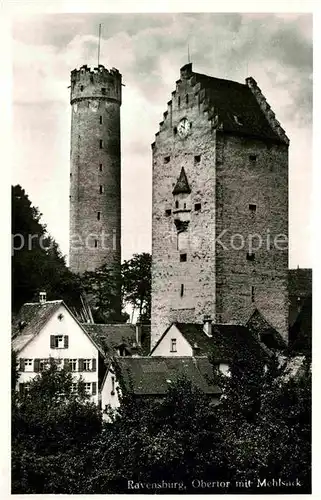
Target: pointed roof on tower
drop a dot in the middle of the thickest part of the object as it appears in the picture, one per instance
(182, 185)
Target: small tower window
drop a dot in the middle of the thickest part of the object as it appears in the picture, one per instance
(175, 130)
(98, 215)
(184, 206)
(81, 88)
(100, 167)
(250, 256)
(197, 159)
(179, 100)
(96, 243)
(101, 144)
(252, 294)
(183, 257)
(176, 204)
(167, 159)
(100, 120)
(103, 90)
(197, 207)
(252, 207)
(101, 189)
(168, 212)
(253, 158)
(182, 290)
(186, 98)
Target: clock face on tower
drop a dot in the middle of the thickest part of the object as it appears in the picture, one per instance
(183, 127)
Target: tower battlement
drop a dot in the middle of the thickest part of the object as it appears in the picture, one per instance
(97, 83)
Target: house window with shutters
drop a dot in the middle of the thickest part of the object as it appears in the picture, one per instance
(59, 341)
(40, 365)
(87, 387)
(28, 365)
(73, 365)
(74, 387)
(87, 365)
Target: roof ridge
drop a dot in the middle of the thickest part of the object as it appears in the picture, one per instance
(221, 79)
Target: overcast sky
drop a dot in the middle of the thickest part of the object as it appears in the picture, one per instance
(149, 49)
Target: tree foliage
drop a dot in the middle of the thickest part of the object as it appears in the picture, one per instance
(103, 294)
(51, 429)
(61, 446)
(136, 284)
(37, 263)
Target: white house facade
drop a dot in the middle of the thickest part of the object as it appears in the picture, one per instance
(50, 331)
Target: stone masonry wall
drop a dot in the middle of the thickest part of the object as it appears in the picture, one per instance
(226, 174)
(263, 182)
(197, 274)
(95, 207)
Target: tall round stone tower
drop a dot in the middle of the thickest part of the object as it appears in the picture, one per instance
(95, 209)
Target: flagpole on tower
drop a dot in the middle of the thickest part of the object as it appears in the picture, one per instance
(99, 43)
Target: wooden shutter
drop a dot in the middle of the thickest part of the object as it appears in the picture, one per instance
(52, 342)
(66, 341)
(22, 364)
(80, 365)
(36, 365)
(94, 392)
(93, 365)
(66, 364)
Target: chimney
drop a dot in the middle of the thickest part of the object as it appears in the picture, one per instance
(138, 332)
(42, 297)
(207, 328)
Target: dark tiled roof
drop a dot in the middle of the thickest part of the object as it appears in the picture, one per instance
(236, 107)
(300, 282)
(30, 320)
(182, 185)
(112, 336)
(261, 329)
(226, 340)
(153, 375)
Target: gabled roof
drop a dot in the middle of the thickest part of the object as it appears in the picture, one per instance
(112, 336)
(182, 185)
(264, 331)
(236, 107)
(226, 340)
(153, 375)
(32, 318)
